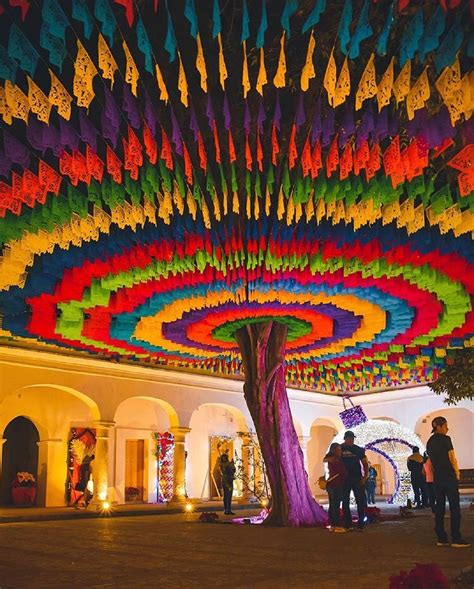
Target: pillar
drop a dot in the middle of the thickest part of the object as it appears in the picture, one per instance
(247, 464)
(304, 448)
(100, 465)
(52, 472)
(3, 483)
(179, 463)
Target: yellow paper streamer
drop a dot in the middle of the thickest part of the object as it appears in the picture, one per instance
(60, 97)
(279, 79)
(182, 82)
(191, 202)
(131, 70)
(39, 102)
(107, 63)
(245, 71)
(161, 85)
(401, 86)
(4, 108)
(308, 72)
(329, 81)
(418, 95)
(235, 203)
(84, 73)
(450, 87)
(368, 85)
(343, 86)
(201, 63)
(222, 65)
(17, 102)
(384, 89)
(262, 73)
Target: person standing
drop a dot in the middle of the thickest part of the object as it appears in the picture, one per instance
(415, 466)
(428, 474)
(446, 483)
(227, 469)
(357, 466)
(334, 485)
(370, 485)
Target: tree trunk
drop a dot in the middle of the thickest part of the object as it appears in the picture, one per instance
(262, 346)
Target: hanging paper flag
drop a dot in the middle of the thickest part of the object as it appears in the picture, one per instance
(308, 72)
(54, 19)
(262, 74)
(418, 95)
(343, 85)
(143, 43)
(314, 15)
(343, 32)
(411, 37)
(384, 89)
(260, 40)
(8, 67)
(222, 66)
(129, 14)
(151, 147)
(80, 12)
(182, 82)
(84, 73)
(15, 150)
(368, 85)
(450, 88)
(170, 39)
(401, 86)
(329, 81)
(190, 14)
(21, 50)
(201, 63)
(161, 85)
(105, 16)
(131, 71)
(245, 23)
(289, 9)
(107, 62)
(446, 53)
(39, 102)
(202, 153)
(216, 19)
(432, 33)
(24, 6)
(382, 41)
(279, 79)
(363, 31)
(245, 71)
(60, 97)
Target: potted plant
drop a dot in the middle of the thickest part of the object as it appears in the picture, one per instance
(24, 489)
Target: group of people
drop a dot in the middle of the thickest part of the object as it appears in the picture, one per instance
(435, 479)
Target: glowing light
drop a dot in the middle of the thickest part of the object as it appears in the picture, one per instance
(189, 507)
(264, 502)
(106, 505)
(103, 496)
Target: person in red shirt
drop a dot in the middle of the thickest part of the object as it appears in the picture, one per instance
(334, 485)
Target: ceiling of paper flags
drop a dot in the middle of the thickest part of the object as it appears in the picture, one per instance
(171, 170)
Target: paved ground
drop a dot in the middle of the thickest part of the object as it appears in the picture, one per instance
(175, 551)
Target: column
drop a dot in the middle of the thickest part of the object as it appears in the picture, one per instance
(100, 465)
(247, 463)
(2, 482)
(52, 472)
(304, 448)
(179, 463)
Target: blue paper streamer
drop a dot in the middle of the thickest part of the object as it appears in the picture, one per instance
(314, 15)
(433, 31)
(385, 33)
(80, 12)
(411, 38)
(290, 8)
(105, 16)
(216, 19)
(260, 41)
(343, 31)
(143, 43)
(190, 14)
(21, 50)
(446, 53)
(363, 31)
(245, 23)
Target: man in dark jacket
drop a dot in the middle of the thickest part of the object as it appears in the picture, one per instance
(415, 466)
(228, 475)
(446, 483)
(357, 467)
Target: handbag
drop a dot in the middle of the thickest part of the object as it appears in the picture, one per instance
(322, 483)
(353, 415)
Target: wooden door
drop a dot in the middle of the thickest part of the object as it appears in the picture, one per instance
(134, 470)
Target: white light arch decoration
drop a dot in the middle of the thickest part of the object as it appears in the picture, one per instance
(389, 439)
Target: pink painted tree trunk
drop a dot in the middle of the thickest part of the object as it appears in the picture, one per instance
(262, 346)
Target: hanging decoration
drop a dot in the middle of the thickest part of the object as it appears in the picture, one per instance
(163, 183)
(164, 454)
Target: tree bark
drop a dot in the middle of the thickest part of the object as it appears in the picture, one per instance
(262, 346)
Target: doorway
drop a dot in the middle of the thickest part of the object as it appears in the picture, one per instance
(218, 446)
(135, 478)
(20, 453)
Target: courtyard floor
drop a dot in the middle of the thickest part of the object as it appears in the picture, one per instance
(176, 551)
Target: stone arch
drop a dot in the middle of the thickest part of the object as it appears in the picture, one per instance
(136, 419)
(53, 409)
(210, 422)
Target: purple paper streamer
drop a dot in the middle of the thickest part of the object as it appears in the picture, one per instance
(176, 137)
(347, 126)
(468, 131)
(261, 116)
(366, 125)
(68, 136)
(110, 118)
(5, 165)
(316, 126)
(247, 118)
(88, 131)
(15, 150)
(129, 105)
(210, 112)
(150, 116)
(226, 109)
(381, 125)
(194, 124)
(328, 127)
(300, 114)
